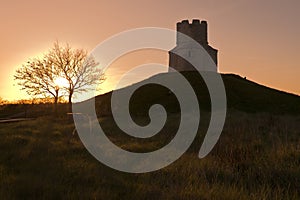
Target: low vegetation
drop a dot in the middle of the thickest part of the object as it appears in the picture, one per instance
(257, 157)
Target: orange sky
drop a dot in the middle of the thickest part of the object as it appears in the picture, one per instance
(256, 39)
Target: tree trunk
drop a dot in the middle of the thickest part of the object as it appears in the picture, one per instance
(71, 91)
(70, 98)
(55, 100)
(56, 96)
(70, 103)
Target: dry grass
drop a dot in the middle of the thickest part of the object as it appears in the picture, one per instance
(257, 157)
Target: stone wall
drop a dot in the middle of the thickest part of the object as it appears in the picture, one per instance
(198, 31)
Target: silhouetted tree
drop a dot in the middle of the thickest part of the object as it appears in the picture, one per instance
(76, 67)
(37, 77)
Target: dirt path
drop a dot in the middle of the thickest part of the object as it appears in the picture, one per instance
(15, 120)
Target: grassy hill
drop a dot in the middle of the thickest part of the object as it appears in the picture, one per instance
(257, 156)
(243, 95)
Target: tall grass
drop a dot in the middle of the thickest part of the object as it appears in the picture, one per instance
(257, 157)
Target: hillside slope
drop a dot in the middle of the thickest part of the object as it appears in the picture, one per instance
(241, 94)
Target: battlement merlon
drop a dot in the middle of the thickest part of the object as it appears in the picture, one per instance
(196, 30)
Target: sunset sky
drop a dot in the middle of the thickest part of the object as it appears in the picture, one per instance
(256, 39)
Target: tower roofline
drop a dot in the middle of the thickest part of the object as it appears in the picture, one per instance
(194, 21)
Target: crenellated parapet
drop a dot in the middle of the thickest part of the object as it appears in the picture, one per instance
(196, 30)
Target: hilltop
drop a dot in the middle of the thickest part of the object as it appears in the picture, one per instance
(242, 94)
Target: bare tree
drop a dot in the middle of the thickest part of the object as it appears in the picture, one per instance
(37, 77)
(76, 67)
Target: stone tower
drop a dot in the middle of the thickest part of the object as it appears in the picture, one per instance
(198, 31)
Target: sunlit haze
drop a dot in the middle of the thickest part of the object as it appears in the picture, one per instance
(61, 82)
(256, 39)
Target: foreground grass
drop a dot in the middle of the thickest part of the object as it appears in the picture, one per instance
(257, 157)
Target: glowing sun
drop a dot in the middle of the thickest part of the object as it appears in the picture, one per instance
(61, 82)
